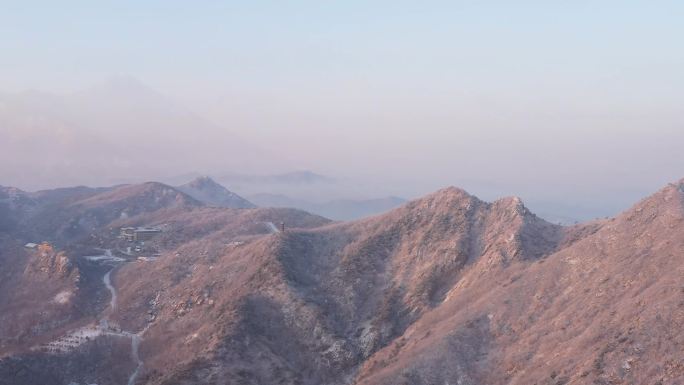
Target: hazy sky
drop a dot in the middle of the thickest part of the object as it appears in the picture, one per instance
(551, 100)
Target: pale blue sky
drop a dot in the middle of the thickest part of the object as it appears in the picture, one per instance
(583, 97)
(484, 45)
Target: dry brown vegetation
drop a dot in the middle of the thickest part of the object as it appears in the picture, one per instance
(445, 289)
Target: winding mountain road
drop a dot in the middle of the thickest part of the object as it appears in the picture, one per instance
(108, 283)
(135, 345)
(136, 338)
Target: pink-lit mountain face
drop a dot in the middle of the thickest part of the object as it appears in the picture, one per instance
(444, 289)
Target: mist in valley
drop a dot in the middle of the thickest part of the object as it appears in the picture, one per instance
(341, 192)
(578, 125)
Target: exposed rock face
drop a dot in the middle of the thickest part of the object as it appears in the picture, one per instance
(47, 262)
(39, 294)
(205, 190)
(444, 289)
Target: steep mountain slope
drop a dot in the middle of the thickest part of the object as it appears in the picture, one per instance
(67, 215)
(47, 290)
(606, 309)
(54, 295)
(444, 289)
(357, 285)
(39, 294)
(205, 190)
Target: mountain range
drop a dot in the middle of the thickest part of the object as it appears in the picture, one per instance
(117, 131)
(208, 191)
(338, 209)
(443, 289)
(303, 177)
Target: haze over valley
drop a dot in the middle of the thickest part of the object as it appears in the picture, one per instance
(122, 131)
(341, 193)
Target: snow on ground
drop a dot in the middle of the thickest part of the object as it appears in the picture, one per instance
(106, 257)
(72, 340)
(63, 297)
(103, 258)
(80, 336)
(272, 227)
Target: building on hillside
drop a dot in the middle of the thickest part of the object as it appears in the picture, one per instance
(127, 233)
(138, 234)
(144, 233)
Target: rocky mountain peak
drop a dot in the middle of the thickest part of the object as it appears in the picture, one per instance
(208, 191)
(452, 192)
(47, 261)
(666, 203)
(445, 199)
(513, 205)
(204, 182)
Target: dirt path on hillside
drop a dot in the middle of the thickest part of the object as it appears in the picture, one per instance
(108, 283)
(136, 338)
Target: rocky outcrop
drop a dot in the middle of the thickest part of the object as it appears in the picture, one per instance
(46, 262)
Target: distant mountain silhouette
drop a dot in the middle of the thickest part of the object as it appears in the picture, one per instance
(208, 191)
(339, 209)
(295, 177)
(106, 134)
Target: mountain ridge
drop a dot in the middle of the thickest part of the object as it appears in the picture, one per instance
(445, 288)
(206, 190)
